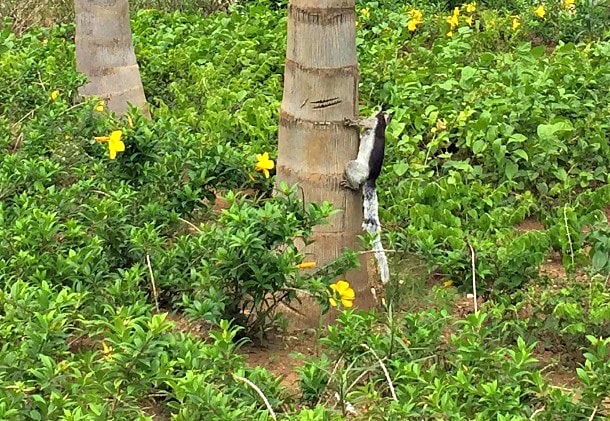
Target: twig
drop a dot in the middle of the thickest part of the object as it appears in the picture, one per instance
(29, 113)
(373, 251)
(260, 393)
(311, 294)
(44, 88)
(385, 371)
(537, 411)
(364, 373)
(72, 107)
(474, 278)
(550, 365)
(565, 221)
(190, 224)
(17, 142)
(101, 192)
(152, 281)
(593, 414)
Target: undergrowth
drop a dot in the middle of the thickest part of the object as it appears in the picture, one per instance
(494, 125)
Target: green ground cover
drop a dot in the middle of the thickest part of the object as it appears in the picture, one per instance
(500, 123)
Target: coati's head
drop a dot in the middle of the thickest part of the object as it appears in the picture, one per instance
(384, 118)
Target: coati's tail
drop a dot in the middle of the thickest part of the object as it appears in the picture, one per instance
(372, 225)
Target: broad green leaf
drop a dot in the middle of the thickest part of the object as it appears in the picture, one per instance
(517, 138)
(400, 168)
(448, 84)
(522, 154)
(546, 131)
(600, 259)
(486, 58)
(561, 174)
(468, 72)
(460, 165)
(479, 146)
(538, 51)
(511, 170)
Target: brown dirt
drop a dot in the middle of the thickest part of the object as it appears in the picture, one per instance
(281, 356)
(549, 46)
(607, 213)
(530, 224)
(553, 370)
(155, 409)
(464, 305)
(199, 329)
(562, 378)
(553, 268)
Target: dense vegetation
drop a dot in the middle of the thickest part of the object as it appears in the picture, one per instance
(501, 114)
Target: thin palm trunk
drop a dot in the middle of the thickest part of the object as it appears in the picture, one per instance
(105, 54)
(320, 91)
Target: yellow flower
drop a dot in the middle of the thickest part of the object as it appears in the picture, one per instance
(540, 11)
(100, 106)
(448, 283)
(306, 265)
(264, 164)
(516, 23)
(454, 20)
(441, 125)
(469, 20)
(570, 6)
(416, 18)
(365, 13)
(54, 95)
(115, 144)
(342, 292)
(450, 34)
(106, 351)
(471, 7)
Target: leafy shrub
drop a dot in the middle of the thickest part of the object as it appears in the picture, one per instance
(492, 125)
(245, 264)
(464, 371)
(563, 316)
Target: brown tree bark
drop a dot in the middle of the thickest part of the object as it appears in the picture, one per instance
(320, 91)
(105, 54)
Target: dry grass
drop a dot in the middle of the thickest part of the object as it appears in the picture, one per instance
(25, 14)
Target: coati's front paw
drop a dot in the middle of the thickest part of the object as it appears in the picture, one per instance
(349, 122)
(347, 184)
(365, 123)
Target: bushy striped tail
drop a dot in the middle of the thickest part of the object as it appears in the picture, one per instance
(372, 225)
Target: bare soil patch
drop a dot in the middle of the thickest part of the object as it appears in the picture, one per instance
(282, 356)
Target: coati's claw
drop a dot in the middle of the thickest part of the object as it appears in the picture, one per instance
(351, 122)
(346, 184)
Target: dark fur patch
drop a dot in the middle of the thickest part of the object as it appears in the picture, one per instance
(368, 190)
(370, 222)
(378, 152)
(370, 197)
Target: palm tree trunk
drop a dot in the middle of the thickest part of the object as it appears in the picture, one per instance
(105, 54)
(320, 91)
